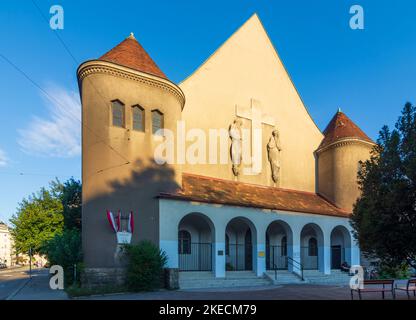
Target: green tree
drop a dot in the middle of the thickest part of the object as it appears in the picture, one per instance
(38, 219)
(71, 197)
(65, 250)
(384, 217)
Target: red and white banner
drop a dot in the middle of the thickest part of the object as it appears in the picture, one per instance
(130, 226)
(110, 218)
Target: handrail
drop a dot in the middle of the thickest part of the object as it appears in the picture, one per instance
(296, 264)
(275, 271)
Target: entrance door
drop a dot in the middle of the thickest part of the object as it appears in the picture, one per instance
(336, 257)
(248, 252)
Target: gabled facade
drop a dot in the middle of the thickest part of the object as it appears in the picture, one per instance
(288, 206)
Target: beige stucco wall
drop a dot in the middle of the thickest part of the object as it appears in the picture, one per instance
(245, 67)
(338, 168)
(108, 182)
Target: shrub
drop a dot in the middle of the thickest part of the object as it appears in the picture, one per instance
(145, 266)
(394, 272)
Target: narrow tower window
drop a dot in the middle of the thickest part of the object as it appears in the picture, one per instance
(138, 118)
(117, 109)
(157, 121)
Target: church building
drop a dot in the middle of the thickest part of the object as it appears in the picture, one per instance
(277, 201)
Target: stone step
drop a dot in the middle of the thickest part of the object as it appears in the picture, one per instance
(336, 277)
(185, 275)
(244, 279)
(283, 277)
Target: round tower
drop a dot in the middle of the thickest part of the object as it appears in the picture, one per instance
(338, 156)
(125, 98)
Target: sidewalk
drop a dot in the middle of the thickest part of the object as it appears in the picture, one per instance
(38, 288)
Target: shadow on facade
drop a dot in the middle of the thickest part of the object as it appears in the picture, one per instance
(136, 193)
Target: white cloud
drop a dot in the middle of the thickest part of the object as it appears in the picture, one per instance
(59, 135)
(3, 158)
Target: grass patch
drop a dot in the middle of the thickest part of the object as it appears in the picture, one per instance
(77, 291)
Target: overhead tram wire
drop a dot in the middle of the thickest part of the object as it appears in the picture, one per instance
(35, 174)
(53, 99)
(106, 103)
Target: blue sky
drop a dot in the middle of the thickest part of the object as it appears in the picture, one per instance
(369, 73)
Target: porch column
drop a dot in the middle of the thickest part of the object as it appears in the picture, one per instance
(168, 236)
(355, 254)
(218, 254)
(170, 247)
(294, 252)
(324, 253)
(259, 252)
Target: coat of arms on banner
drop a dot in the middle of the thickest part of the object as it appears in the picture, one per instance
(122, 230)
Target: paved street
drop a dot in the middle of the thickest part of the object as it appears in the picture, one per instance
(286, 292)
(11, 283)
(12, 279)
(38, 289)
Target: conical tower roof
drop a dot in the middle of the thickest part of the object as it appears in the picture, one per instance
(341, 127)
(130, 53)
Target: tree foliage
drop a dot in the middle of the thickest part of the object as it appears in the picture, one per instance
(47, 213)
(384, 217)
(37, 220)
(71, 198)
(65, 250)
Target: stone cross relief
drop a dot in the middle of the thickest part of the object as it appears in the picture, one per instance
(258, 118)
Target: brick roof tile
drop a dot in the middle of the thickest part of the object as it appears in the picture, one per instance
(130, 53)
(219, 191)
(341, 127)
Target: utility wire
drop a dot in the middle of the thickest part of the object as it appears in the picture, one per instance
(92, 84)
(54, 100)
(58, 102)
(34, 174)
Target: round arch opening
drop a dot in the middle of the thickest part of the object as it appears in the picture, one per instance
(279, 245)
(240, 238)
(340, 247)
(195, 243)
(311, 250)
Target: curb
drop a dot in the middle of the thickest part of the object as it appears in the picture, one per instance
(15, 292)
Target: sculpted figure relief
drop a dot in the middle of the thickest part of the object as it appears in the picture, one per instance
(236, 145)
(273, 150)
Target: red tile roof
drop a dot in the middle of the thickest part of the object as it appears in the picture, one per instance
(130, 53)
(213, 190)
(341, 127)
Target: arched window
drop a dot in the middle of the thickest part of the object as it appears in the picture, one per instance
(313, 247)
(157, 121)
(227, 245)
(117, 113)
(283, 247)
(184, 242)
(137, 113)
